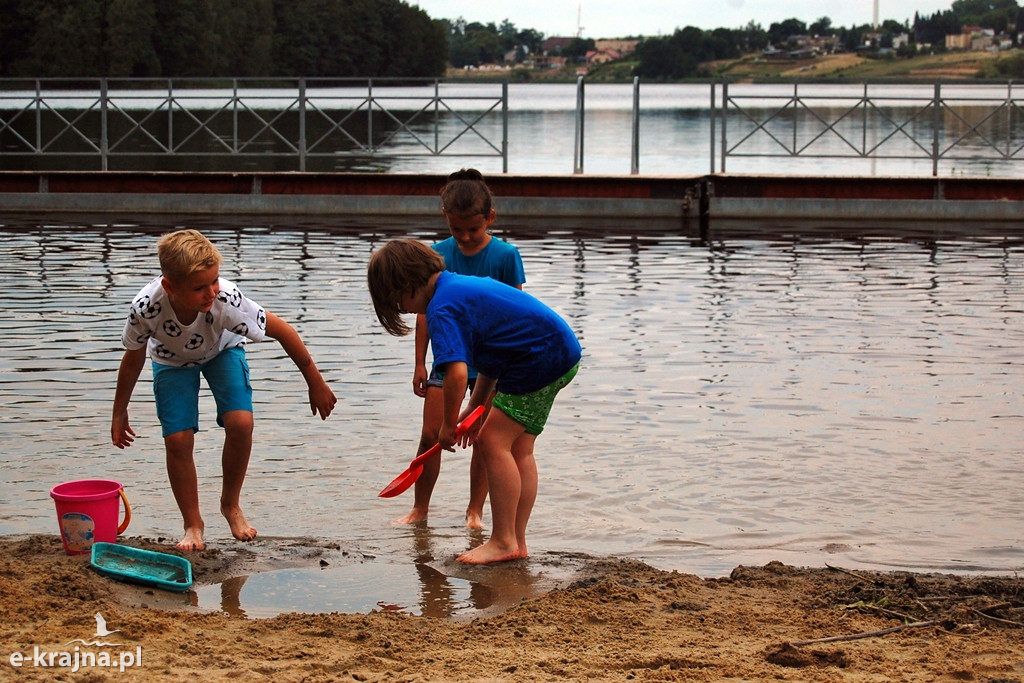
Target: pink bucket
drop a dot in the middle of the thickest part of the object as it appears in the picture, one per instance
(87, 512)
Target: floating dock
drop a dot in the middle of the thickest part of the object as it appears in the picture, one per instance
(659, 198)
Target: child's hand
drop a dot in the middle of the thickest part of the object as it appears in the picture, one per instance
(322, 400)
(468, 437)
(419, 381)
(446, 437)
(121, 433)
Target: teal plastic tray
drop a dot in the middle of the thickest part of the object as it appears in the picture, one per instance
(146, 567)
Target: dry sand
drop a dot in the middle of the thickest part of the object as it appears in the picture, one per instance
(614, 620)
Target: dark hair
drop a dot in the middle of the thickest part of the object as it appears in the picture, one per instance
(398, 267)
(466, 194)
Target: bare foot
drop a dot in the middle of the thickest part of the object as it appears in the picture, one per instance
(413, 517)
(193, 540)
(240, 528)
(491, 551)
(474, 519)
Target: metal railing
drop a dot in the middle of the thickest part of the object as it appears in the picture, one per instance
(295, 124)
(934, 122)
(366, 124)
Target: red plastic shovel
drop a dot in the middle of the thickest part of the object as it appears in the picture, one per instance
(415, 469)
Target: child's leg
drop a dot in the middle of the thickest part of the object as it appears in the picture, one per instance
(433, 412)
(506, 445)
(181, 471)
(477, 491)
(228, 377)
(238, 426)
(506, 484)
(177, 406)
(522, 451)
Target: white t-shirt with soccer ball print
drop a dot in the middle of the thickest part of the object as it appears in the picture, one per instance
(231, 321)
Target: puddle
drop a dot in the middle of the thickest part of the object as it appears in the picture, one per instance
(353, 589)
(276, 575)
(421, 589)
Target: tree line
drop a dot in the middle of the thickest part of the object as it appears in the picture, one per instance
(686, 53)
(374, 38)
(219, 38)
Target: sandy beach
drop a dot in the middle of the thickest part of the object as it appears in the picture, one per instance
(610, 620)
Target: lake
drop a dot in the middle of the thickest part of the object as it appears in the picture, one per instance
(854, 399)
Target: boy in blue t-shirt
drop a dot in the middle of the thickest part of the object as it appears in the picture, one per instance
(467, 207)
(524, 354)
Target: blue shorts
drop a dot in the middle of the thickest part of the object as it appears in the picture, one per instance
(177, 390)
(436, 379)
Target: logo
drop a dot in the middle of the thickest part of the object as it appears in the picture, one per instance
(81, 658)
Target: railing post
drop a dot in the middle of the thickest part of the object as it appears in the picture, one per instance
(39, 118)
(577, 160)
(437, 115)
(866, 101)
(634, 166)
(369, 115)
(725, 118)
(1009, 119)
(936, 122)
(504, 127)
(234, 116)
(170, 117)
(104, 145)
(302, 124)
(712, 122)
(796, 111)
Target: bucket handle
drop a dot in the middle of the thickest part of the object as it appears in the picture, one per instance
(127, 512)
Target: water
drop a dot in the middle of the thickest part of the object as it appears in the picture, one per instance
(853, 400)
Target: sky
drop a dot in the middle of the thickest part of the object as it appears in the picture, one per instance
(621, 18)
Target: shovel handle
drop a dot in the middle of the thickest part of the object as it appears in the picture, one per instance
(461, 429)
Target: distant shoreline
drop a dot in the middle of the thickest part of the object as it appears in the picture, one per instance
(948, 66)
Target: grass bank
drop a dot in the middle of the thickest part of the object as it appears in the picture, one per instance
(753, 67)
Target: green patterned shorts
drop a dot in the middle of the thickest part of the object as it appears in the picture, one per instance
(532, 410)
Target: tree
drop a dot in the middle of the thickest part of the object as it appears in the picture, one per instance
(578, 48)
(245, 37)
(186, 42)
(780, 33)
(16, 28)
(822, 27)
(681, 55)
(68, 39)
(131, 25)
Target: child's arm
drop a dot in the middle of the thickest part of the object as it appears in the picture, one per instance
(482, 395)
(121, 433)
(321, 399)
(456, 377)
(420, 374)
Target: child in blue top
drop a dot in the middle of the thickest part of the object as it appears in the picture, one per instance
(524, 354)
(189, 321)
(467, 207)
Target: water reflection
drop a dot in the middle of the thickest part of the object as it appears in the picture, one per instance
(756, 393)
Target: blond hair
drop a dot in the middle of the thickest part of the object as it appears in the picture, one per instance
(399, 267)
(185, 252)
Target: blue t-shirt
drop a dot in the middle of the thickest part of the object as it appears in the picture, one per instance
(501, 331)
(498, 260)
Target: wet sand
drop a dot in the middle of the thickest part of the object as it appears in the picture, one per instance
(607, 619)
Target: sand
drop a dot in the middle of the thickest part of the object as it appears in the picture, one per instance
(611, 620)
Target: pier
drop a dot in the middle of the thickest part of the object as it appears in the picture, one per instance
(669, 200)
